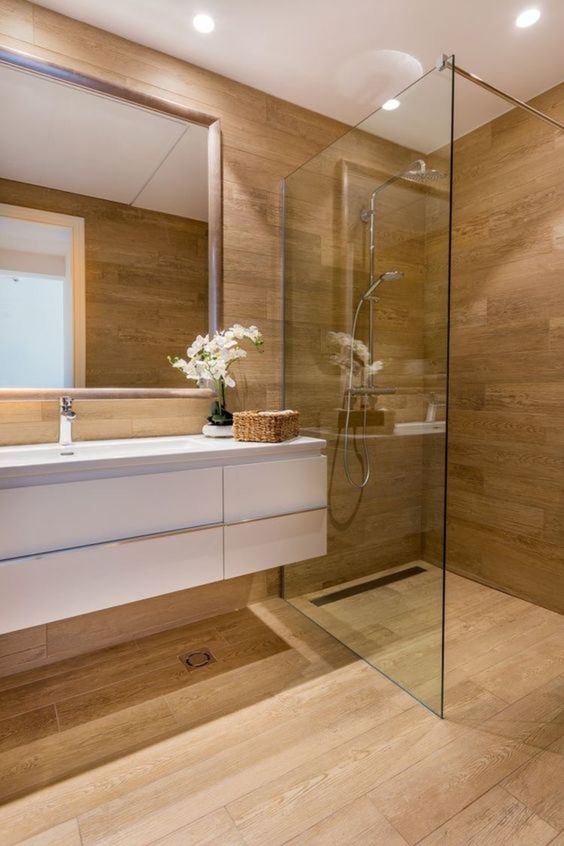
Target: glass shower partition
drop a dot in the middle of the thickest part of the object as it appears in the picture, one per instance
(366, 285)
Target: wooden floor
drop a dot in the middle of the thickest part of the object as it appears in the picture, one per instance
(289, 738)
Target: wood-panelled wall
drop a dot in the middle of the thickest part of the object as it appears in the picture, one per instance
(146, 285)
(327, 272)
(435, 344)
(506, 446)
(264, 139)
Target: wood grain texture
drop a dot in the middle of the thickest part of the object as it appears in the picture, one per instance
(395, 627)
(20, 648)
(66, 834)
(496, 818)
(357, 824)
(326, 268)
(146, 285)
(16, 19)
(287, 739)
(506, 507)
(538, 784)
(368, 530)
(38, 422)
(215, 829)
(45, 394)
(263, 140)
(43, 646)
(327, 272)
(24, 728)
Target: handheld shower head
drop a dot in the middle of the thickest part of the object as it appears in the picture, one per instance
(391, 276)
(388, 276)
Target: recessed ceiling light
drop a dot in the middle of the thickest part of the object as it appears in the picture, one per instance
(204, 23)
(527, 18)
(392, 104)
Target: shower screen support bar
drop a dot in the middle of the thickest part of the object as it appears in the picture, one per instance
(446, 62)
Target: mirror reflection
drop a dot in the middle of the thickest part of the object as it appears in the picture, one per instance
(103, 237)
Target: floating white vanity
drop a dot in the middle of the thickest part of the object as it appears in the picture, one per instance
(103, 523)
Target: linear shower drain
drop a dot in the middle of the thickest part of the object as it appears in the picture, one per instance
(198, 658)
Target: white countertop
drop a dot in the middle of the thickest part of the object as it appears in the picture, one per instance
(46, 463)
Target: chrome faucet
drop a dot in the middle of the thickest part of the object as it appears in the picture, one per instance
(67, 415)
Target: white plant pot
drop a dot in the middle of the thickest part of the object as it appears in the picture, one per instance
(211, 431)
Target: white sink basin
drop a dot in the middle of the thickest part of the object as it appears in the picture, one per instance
(35, 454)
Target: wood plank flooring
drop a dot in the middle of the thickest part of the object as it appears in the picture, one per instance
(289, 738)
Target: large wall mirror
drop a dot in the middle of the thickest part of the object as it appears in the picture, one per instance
(110, 231)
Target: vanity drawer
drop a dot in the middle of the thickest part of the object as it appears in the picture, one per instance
(51, 587)
(261, 544)
(268, 488)
(46, 517)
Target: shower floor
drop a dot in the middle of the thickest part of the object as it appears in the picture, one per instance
(392, 619)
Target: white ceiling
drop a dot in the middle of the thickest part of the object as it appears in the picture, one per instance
(63, 137)
(344, 58)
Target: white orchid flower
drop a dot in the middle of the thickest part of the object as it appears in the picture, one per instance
(209, 359)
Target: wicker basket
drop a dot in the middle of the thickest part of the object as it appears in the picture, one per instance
(267, 426)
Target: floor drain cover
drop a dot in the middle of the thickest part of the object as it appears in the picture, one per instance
(197, 658)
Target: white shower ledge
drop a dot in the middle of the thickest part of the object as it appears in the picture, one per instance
(39, 463)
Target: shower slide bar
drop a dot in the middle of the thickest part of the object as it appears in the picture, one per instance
(446, 62)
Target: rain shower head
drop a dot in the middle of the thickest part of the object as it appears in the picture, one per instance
(388, 276)
(417, 172)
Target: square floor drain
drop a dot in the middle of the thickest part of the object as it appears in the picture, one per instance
(197, 658)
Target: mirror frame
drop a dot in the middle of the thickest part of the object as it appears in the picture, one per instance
(33, 64)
